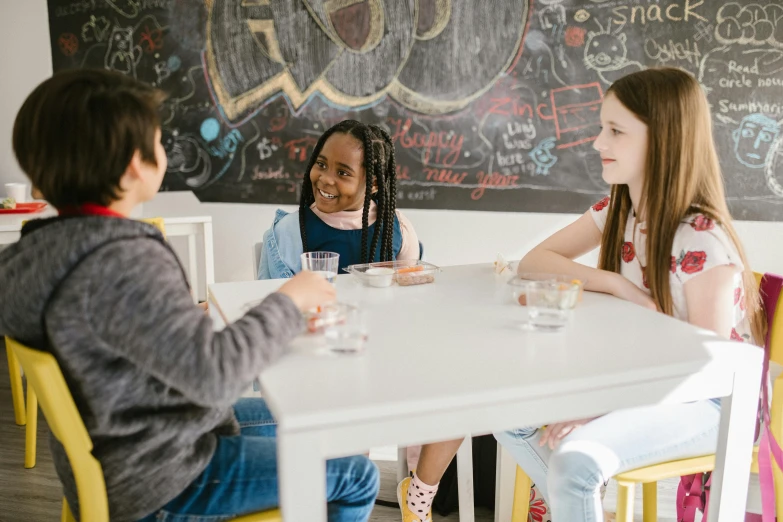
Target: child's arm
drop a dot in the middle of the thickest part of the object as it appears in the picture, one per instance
(710, 299)
(140, 308)
(556, 255)
(410, 240)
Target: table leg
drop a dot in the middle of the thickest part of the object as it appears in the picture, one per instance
(735, 444)
(302, 475)
(402, 463)
(465, 480)
(505, 482)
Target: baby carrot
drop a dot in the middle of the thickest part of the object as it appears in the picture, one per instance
(409, 269)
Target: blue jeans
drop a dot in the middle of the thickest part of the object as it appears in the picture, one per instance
(570, 477)
(242, 477)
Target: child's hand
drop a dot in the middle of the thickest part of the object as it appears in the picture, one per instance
(308, 290)
(554, 433)
(624, 289)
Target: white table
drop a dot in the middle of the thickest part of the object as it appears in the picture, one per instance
(192, 227)
(477, 372)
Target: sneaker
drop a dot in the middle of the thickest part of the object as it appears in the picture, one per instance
(402, 499)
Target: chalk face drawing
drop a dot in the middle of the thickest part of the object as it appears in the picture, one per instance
(121, 54)
(498, 120)
(607, 54)
(754, 138)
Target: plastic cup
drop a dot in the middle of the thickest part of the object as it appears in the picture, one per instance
(325, 264)
(550, 304)
(18, 191)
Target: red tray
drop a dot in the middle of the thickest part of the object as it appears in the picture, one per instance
(24, 208)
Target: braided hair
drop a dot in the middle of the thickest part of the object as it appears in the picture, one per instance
(380, 170)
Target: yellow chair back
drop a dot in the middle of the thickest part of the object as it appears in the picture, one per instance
(44, 374)
(157, 223)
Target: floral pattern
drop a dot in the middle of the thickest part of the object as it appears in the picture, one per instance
(692, 262)
(700, 243)
(538, 511)
(702, 223)
(598, 207)
(628, 252)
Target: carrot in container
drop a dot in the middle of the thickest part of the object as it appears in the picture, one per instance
(410, 269)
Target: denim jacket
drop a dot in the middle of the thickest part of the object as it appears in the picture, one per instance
(282, 247)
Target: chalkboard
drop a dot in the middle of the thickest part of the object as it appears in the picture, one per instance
(493, 104)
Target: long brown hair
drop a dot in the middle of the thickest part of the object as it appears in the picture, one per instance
(682, 176)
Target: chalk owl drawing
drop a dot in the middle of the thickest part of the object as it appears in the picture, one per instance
(121, 54)
(607, 54)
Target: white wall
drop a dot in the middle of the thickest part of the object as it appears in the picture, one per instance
(25, 61)
(450, 237)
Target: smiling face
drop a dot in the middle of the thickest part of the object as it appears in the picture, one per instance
(622, 144)
(338, 176)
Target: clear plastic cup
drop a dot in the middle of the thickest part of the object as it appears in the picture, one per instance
(347, 336)
(325, 264)
(550, 304)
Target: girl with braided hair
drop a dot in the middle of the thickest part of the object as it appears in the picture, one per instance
(347, 205)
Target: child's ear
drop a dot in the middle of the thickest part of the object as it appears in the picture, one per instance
(374, 186)
(133, 172)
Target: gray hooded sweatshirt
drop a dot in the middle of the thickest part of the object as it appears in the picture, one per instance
(152, 381)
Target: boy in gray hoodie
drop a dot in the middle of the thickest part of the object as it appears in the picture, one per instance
(157, 388)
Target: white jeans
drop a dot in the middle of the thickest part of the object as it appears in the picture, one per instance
(570, 477)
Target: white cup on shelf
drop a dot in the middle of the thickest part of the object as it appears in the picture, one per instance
(18, 191)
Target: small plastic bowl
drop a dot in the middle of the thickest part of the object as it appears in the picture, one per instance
(520, 283)
(379, 277)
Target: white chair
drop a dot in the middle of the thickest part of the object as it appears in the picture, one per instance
(257, 249)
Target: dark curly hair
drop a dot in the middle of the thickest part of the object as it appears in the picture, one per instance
(380, 170)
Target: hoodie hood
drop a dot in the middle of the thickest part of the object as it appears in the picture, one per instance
(32, 269)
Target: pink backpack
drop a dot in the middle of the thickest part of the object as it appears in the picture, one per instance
(694, 491)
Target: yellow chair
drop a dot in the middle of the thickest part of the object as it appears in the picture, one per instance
(17, 393)
(157, 223)
(44, 376)
(650, 475)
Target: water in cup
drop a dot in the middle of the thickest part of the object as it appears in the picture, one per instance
(550, 304)
(349, 335)
(325, 264)
(329, 276)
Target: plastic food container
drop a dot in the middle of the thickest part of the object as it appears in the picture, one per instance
(404, 273)
(321, 318)
(520, 283)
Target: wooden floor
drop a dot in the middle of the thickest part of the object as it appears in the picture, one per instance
(34, 495)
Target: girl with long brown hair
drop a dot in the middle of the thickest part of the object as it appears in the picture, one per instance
(666, 243)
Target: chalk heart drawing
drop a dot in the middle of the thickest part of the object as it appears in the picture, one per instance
(355, 52)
